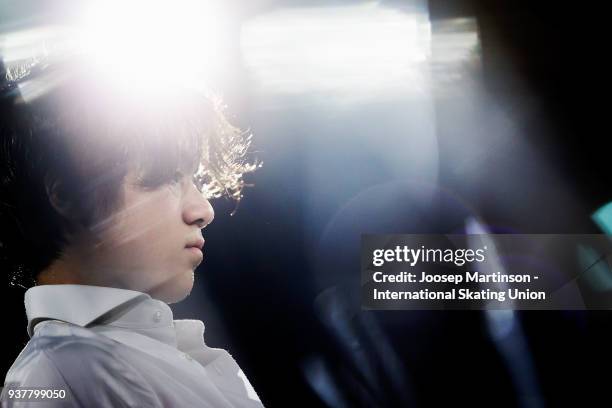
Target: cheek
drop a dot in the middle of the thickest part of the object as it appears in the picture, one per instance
(147, 225)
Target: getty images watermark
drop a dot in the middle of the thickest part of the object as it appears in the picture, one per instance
(520, 271)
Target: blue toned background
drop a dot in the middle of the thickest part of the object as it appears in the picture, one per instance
(399, 117)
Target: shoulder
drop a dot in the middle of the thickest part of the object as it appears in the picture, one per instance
(58, 347)
(83, 363)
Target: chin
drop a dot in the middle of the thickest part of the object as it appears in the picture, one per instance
(176, 289)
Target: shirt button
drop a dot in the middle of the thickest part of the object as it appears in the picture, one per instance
(157, 316)
(187, 356)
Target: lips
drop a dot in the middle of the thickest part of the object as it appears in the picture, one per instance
(195, 247)
(199, 243)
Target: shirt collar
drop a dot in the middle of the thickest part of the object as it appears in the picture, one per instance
(108, 310)
(84, 304)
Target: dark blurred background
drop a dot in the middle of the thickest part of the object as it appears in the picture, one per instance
(499, 116)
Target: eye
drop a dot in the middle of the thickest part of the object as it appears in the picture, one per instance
(197, 181)
(176, 181)
(177, 177)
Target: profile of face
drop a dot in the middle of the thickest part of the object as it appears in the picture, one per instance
(152, 241)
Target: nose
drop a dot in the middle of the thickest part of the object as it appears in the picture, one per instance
(197, 209)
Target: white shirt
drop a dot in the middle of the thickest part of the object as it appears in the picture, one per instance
(109, 347)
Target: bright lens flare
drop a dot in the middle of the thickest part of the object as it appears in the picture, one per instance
(143, 47)
(145, 42)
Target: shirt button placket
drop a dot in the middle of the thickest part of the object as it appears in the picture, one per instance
(157, 316)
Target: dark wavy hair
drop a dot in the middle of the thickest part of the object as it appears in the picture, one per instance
(86, 135)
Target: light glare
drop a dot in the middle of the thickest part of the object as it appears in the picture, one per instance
(149, 41)
(347, 49)
(142, 47)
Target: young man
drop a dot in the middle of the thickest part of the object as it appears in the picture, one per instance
(103, 196)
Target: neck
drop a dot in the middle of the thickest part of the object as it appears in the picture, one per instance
(68, 268)
(61, 271)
